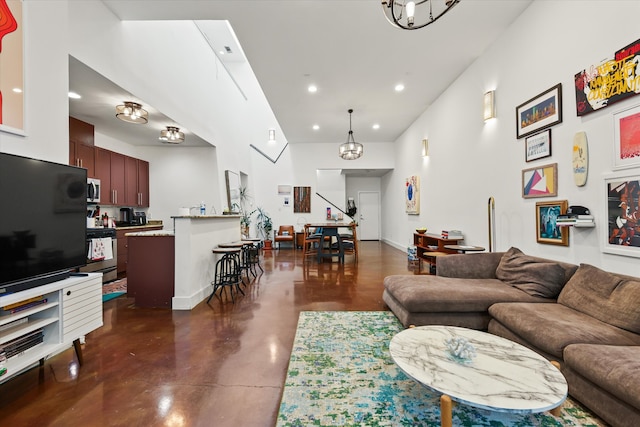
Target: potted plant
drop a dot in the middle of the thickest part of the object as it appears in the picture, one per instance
(245, 222)
(264, 226)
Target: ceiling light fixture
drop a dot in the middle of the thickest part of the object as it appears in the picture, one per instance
(412, 15)
(399, 87)
(312, 89)
(132, 112)
(351, 149)
(74, 95)
(272, 135)
(172, 135)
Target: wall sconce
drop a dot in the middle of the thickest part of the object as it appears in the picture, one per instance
(489, 105)
(272, 135)
(425, 147)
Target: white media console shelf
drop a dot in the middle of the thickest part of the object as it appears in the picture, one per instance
(73, 308)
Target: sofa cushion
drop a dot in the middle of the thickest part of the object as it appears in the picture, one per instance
(447, 294)
(615, 369)
(551, 327)
(530, 274)
(608, 297)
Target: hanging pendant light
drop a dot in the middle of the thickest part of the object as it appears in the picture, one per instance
(172, 135)
(412, 15)
(351, 149)
(132, 112)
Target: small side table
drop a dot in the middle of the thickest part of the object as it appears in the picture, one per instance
(464, 248)
(299, 239)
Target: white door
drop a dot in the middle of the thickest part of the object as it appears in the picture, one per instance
(368, 215)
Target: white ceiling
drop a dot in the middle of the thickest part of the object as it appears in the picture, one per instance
(345, 47)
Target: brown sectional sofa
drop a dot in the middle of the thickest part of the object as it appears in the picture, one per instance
(585, 318)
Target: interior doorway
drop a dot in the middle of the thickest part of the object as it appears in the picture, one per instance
(368, 215)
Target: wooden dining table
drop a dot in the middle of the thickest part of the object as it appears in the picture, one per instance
(329, 231)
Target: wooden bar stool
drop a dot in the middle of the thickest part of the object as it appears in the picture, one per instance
(227, 272)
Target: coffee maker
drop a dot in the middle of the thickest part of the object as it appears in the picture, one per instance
(126, 216)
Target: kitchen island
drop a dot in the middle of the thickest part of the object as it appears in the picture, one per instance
(175, 268)
(195, 237)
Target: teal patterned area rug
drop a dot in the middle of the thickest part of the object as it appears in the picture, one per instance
(341, 374)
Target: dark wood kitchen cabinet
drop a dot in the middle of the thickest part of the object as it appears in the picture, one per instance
(103, 173)
(124, 179)
(81, 149)
(143, 183)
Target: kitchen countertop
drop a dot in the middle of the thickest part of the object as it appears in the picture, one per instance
(206, 216)
(138, 226)
(151, 233)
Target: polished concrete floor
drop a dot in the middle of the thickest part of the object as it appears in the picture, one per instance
(222, 364)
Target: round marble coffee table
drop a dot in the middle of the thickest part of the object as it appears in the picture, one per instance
(503, 376)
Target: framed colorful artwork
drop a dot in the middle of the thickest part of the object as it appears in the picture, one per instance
(622, 206)
(626, 150)
(11, 67)
(547, 230)
(412, 195)
(538, 146)
(301, 199)
(541, 181)
(540, 112)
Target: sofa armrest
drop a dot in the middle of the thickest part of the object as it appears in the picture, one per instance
(469, 266)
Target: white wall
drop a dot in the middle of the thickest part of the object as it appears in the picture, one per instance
(470, 161)
(298, 166)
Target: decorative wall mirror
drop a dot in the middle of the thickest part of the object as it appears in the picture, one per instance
(233, 190)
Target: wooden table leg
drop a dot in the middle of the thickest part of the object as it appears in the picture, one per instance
(78, 349)
(446, 415)
(556, 412)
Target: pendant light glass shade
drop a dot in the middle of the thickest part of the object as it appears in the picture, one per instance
(132, 112)
(172, 135)
(351, 149)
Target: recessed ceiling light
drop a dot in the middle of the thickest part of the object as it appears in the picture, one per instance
(74, 95)
(376, 126)
(312, 88)
(17, 90)
(316, 127)
(399, 87)
(222, 52)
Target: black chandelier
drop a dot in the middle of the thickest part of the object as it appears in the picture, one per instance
(412, 15)
(351, 149)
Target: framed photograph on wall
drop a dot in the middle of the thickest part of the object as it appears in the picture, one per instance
(540, 112)
(626, 148)
(12, 74)
(541, 181)
(547, 230)
(621, 236)
(538, 146)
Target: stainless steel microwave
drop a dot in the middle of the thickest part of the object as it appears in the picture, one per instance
(93, 190)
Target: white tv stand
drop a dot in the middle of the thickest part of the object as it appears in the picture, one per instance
(73, 309)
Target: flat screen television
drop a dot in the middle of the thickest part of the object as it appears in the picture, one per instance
(42, 222)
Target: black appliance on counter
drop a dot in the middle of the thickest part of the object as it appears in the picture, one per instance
(108, 267)
(126, 216)
(140, 218)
